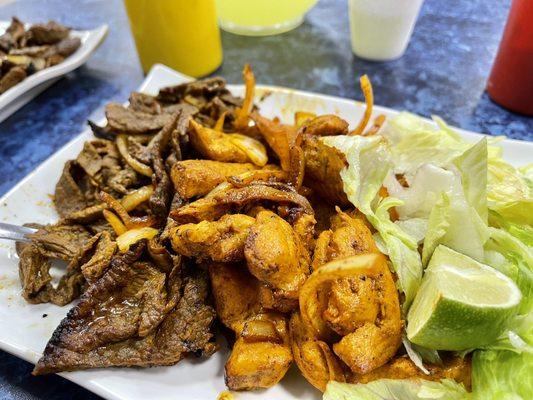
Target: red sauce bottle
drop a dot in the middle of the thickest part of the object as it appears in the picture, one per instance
(511, 80)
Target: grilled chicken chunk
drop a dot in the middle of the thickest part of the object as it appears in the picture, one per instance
(221, 240)
(193, 178)
(401, 367)
(323, 165)
(362, 309)
(261, 354)
(276, 255)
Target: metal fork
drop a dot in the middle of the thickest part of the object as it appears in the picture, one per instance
(15, 232)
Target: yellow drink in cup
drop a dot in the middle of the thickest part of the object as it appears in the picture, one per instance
(182, 34)
(262, 17)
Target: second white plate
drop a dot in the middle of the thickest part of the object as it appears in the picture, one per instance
(20, 94)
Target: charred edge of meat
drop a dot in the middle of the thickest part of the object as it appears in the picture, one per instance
(101, 132)
(206, 87)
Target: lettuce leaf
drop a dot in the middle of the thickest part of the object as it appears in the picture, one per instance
(472, 167)
(515, 260)
(502, 375)
(510, 191)
(508, 254)
(522, 232)
(414, 227)
(368, 164)
(415, 142)
(456, 224)
(424, 190)
(396, 389)
(419, 354)
(459, 219)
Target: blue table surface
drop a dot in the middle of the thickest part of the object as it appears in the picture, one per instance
(443, 72)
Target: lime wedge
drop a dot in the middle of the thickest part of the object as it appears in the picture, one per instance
(461, 303)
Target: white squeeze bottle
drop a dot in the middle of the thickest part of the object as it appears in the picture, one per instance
(381, 29)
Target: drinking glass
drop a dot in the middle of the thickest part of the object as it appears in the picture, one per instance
(182, 34)
(262, 17)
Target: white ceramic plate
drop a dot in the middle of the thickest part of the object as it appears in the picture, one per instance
(23, 330)
(20, 94)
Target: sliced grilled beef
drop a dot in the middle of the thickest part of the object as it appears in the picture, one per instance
(13, 35)
(72, 190)
(206, 87)
(160, 199)
(11, 78)
(49, 33)
(144, 103)
(125, 120)
(60, 241)
(95, 256)
(36, 281)
(133, 316)
(67, 46)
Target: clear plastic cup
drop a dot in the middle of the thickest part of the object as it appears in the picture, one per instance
(262, 17)
(381, 29)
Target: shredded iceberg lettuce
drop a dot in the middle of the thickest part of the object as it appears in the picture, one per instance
(466, 197)
(502, 375)
(510, 191)
(369, 163)
(472, 167)
(397, 389)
